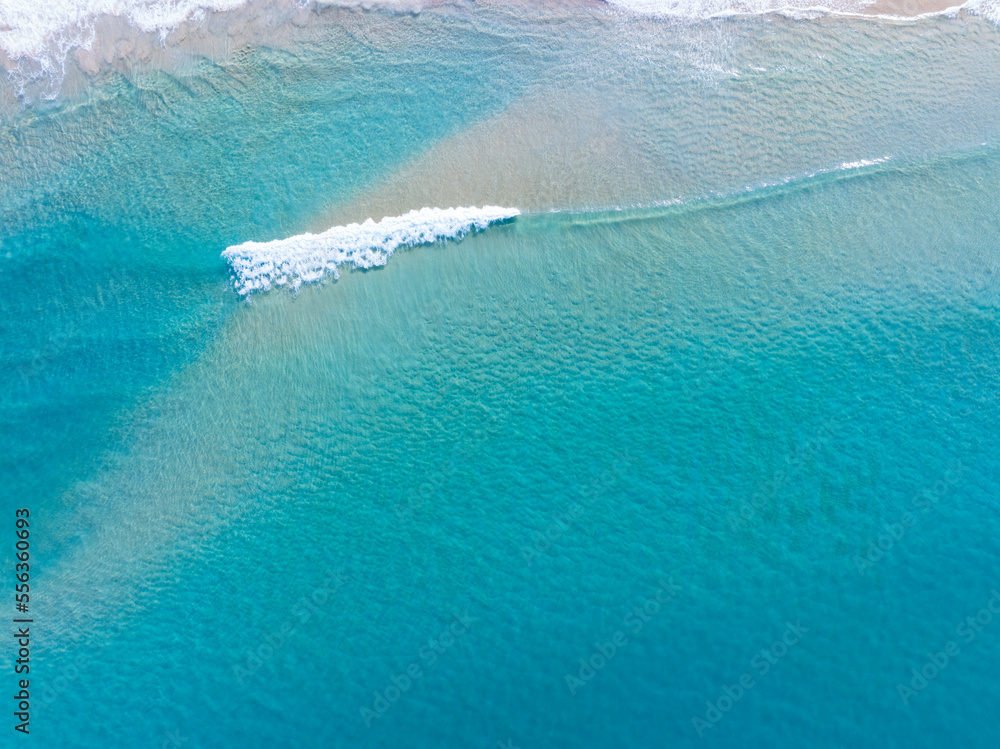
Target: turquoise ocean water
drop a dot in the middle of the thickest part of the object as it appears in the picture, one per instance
(561, 483)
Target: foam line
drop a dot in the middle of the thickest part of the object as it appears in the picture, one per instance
(705, 9)
(305, 258)
(28, 28)
(44, 32)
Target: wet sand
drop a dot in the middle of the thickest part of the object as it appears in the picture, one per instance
(116, 45)
(907, 8)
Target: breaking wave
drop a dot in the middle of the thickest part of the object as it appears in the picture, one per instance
(305, 258)
(37, 37)
(29, 28)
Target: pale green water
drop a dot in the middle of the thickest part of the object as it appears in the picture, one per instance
(826, 344)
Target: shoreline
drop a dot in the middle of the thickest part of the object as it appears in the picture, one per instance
(114, 43)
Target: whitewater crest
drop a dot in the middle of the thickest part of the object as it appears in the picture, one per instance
(47, 31)
(40, 38)
(305, 258)
(703, 9)
(885, 9)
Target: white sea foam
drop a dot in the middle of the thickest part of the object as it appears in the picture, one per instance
(862, 163)
(259, 266)
(33, 28)
(44, 32)
(988, 9)
(38, 36)
(704, 9)
(845, 166)
(698, 9)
